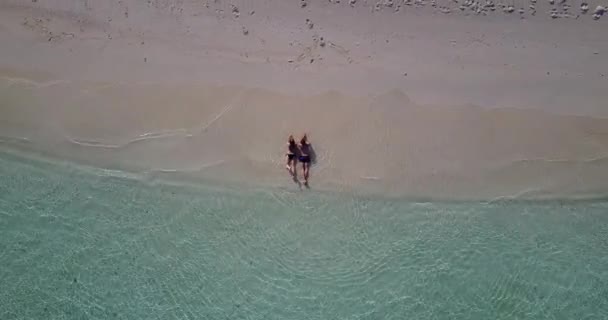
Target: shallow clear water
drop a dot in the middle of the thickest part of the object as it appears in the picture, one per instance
(79, 244)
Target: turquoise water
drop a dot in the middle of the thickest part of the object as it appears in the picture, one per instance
(79, 244)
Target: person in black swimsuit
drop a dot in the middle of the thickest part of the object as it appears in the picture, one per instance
(305, 151)
(292, 150)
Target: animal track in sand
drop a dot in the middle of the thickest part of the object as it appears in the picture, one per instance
(314, 52)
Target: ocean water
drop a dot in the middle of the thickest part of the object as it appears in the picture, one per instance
(83, 243)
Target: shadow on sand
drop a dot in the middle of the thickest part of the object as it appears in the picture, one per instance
(313, 155)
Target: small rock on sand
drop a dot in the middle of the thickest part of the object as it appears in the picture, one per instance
(309, 24)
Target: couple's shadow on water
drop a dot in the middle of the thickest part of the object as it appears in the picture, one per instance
(313, 162)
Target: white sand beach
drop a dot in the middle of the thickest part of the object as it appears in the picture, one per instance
(402, 98)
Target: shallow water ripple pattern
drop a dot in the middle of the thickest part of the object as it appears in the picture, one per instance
(75, 244)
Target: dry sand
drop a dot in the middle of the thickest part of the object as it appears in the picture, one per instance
(416, 99)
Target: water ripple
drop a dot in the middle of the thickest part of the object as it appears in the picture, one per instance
(93, 246)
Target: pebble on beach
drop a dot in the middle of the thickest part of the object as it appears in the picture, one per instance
(309, 24)
(598, 12)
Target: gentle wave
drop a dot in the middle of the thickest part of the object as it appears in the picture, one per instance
(189, 170)
(32, 83)
(12, 139)
(514, 163)
(165, 134)
(600, 158)
(140, 138)
(516, 196)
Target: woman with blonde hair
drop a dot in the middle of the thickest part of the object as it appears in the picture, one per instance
(305, 156)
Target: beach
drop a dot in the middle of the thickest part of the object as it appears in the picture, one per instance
(414, 102)
(460, 165)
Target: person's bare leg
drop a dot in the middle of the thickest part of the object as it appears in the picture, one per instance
(288, 165)
(306, 167)
(294, 166)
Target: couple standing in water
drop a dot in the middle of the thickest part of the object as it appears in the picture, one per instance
(298, 152)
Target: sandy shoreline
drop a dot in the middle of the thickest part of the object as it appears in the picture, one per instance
(414, 103)
(381, 144)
